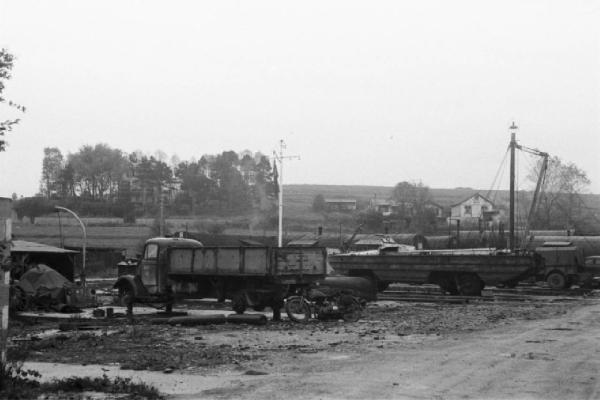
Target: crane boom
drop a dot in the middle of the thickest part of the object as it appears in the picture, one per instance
(538, 186)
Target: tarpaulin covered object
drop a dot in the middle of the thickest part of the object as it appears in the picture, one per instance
(41, 281)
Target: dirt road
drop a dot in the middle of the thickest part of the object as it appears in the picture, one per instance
(554, 358)
(546, 359)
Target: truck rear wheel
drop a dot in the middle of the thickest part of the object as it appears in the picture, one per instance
(238, 303)
(556, 280)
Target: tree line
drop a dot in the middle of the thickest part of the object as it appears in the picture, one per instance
(98, 180)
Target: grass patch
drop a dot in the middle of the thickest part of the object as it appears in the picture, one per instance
(104, 384)
(18, 383)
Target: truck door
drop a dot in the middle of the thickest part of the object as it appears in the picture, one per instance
(148, 267)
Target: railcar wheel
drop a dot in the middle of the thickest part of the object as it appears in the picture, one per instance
(470, 285)
(556, 280)
(297, 309)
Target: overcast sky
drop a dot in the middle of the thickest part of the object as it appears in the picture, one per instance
(367, 93)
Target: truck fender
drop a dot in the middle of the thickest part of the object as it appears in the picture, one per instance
(132, 282)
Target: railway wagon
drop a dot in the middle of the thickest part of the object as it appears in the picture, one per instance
(175, 268)
(464, 272)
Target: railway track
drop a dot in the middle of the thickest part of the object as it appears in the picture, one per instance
(428, 294)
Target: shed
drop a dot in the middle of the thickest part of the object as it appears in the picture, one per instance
(340, 204)
(61, 260)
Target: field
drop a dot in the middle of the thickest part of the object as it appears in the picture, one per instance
(299, 219)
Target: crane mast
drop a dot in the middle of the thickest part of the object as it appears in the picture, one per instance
(542, 175)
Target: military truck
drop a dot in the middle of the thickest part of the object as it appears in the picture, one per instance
(564, 265)
(251, 276)
(465, 271)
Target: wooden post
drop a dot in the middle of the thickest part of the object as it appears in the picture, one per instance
(5, 239)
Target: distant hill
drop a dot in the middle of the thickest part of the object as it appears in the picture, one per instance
(298, 197)
(303, 195)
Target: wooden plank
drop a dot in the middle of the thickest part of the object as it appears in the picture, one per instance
(5, 238)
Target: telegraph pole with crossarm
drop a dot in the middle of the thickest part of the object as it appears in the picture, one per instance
(280, 157)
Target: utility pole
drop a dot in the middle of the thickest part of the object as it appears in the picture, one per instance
(280, 157)
(161, 224)
(513, 146)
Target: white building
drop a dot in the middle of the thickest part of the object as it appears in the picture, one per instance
(472, 208)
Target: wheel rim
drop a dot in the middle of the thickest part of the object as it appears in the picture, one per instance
(297, 310)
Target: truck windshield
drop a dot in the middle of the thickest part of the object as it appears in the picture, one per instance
(151, 251)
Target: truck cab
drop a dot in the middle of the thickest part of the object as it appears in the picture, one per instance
(592, 269)
(562, 265)
(152, 267)
(150, 281)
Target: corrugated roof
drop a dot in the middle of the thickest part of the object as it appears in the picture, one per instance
(304, 242)
(340, 201)
(21, 246)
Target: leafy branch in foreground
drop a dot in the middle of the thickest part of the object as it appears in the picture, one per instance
(6, 65)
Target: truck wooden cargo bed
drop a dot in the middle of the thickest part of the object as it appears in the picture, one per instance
(285, 264)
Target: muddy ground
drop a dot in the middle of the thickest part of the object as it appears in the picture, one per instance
(232, 361)
(142, 345)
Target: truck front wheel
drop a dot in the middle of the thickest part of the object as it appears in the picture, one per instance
(126, 298)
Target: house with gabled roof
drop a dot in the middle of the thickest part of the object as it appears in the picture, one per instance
(474, 207)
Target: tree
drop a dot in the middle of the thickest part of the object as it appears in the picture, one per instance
(32, 207)
(560, 203)
(410, 195)
(97, 171)
(318, 204)
(197, 189)
(264, 185)
(412, 199)
(6, 65)
(233, 191)
(52, 166)
(154, 176)
(371, 220)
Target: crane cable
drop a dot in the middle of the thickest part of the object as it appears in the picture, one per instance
(500, 170)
